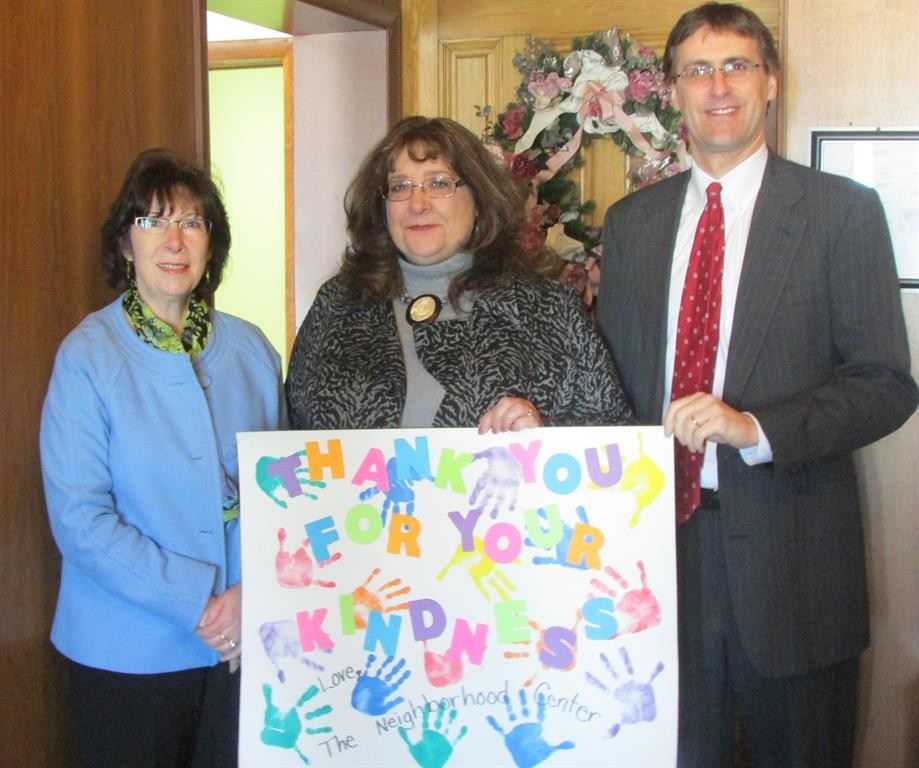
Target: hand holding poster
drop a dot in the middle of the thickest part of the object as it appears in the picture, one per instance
(441, 598)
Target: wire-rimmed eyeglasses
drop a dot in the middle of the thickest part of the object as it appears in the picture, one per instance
(733, 71)
(193, 225)
(397, 190)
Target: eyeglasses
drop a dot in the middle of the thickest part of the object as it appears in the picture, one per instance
(733, 71)
(397, 190)
(193, 225)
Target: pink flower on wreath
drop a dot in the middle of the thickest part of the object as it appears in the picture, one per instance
(553, 212)
(597, 105)
(512, 122)
(671, 169)
(536, 218)
(663, 90)
(642, 84)
(531, 237)
(546, 87)
(522, 168)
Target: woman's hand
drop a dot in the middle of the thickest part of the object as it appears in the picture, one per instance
(510, 414)
(221, 624)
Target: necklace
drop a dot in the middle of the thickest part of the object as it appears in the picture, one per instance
(421, 309)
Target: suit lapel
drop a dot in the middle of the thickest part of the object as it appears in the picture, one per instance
(660, 231)
(772, 246)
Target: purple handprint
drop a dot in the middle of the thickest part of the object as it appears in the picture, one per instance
(525, 741)
(499, 482)
(371, 693)
(281, 641)
(638, 704)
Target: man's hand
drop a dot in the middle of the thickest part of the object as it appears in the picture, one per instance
(701, 417)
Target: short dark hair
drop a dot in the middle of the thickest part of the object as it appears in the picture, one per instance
(722, 17)
(157, 173)
(370, 268)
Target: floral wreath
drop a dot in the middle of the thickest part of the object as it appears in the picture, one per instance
(607, 86)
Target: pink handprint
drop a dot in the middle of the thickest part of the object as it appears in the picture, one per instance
(296, 570)
(638, 609)
(441, 669)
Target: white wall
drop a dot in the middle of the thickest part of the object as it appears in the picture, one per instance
(853, 63)
(340, 112)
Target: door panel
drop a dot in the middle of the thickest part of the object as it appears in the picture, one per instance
(85, 85)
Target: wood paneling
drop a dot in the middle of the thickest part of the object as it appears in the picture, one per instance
(85, 85)
(420, 80)
(470, 78)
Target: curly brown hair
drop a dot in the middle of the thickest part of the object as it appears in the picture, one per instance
(370, 269)
(157, 173)
(722, 17)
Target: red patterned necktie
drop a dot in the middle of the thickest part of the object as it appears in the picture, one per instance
(697, 338)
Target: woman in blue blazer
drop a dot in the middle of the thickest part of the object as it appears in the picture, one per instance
(138, 450)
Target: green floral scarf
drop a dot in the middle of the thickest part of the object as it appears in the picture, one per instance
(196, 329)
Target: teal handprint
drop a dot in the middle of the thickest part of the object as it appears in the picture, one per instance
(525, 741)
(282, 729)
(434, 749)
(273, 473)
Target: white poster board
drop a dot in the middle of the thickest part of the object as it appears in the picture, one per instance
(441, 598)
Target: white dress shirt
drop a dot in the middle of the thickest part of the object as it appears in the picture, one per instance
(739, 188)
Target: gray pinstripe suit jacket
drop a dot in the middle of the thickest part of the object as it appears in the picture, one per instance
(819, 355)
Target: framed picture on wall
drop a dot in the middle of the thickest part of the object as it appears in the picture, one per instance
(888, 161)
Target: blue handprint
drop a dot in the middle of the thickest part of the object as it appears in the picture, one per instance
(638, 704)
(525, 741)
(288, 472)
(499, 482)
(400, 491)
(564, 543)
(434, 748)
(283, 729)
(371, 693)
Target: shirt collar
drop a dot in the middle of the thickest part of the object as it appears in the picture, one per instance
(739, 186)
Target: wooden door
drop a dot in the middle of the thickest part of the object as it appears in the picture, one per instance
(84, 86)
(458, 54)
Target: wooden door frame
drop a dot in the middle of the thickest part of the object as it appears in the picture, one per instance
(387, 19)
(249, 54)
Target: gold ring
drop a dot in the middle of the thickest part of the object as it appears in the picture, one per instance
(223, 637)
(696, 422)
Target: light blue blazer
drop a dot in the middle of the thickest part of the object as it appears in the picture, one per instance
(134, 443)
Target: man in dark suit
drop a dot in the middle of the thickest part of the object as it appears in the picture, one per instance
(809, 361)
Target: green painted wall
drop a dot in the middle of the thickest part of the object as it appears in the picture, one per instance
(247, 155)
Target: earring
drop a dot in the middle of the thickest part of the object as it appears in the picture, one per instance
(129, 269)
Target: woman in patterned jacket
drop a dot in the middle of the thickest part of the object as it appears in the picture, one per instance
(437, 317)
